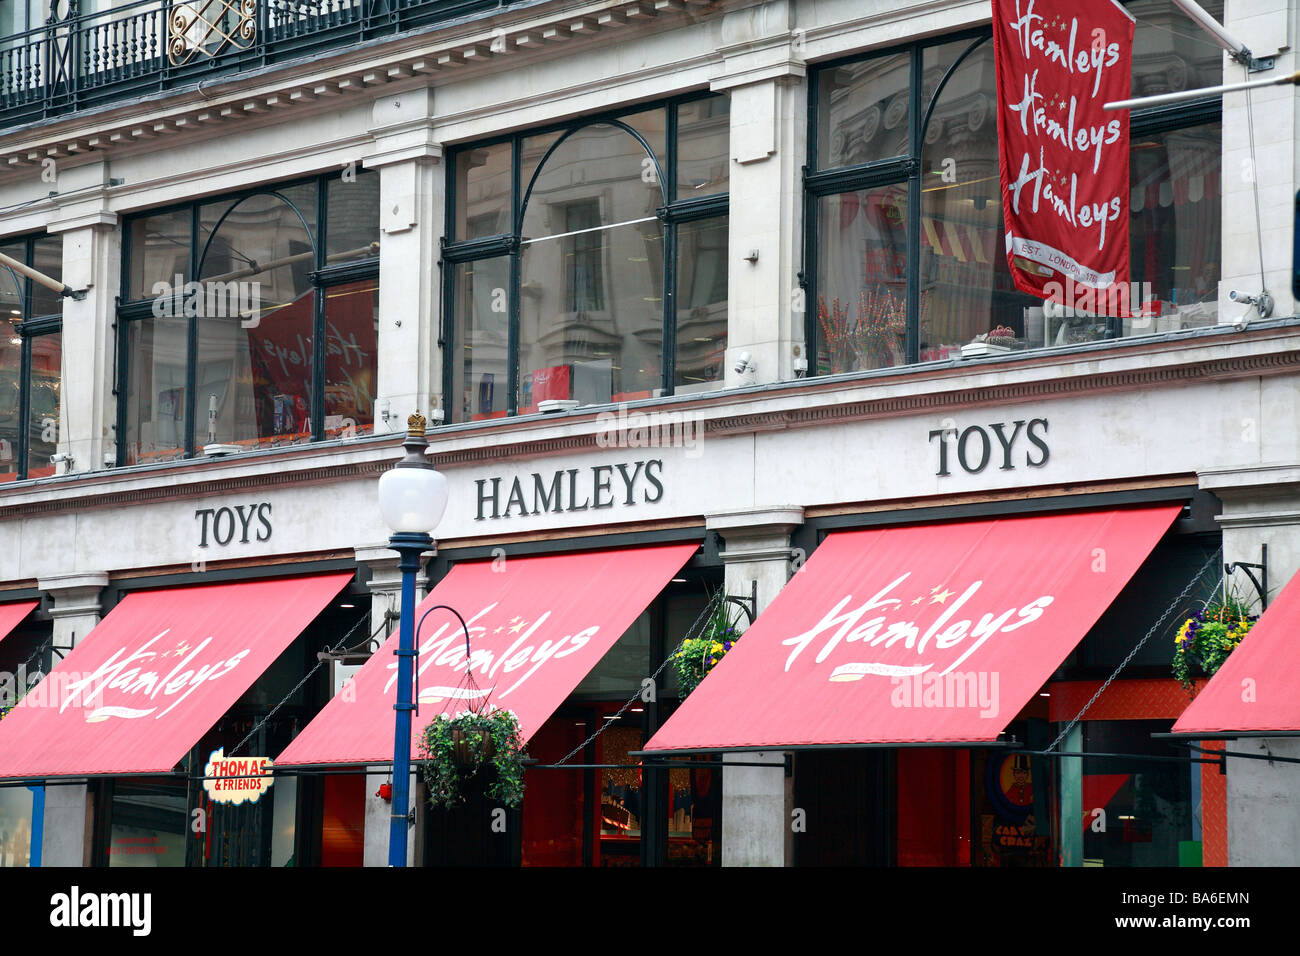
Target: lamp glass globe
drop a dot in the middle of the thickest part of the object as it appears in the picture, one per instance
(412, 499)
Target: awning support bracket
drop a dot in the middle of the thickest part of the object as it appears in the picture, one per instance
(1224, 754)
(1261, 582)
(747, 604)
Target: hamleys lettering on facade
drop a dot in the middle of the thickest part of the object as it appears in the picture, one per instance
(1064, 160)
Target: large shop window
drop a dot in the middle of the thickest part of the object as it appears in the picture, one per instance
(905, 218)
(31, 358)
(589, 263)
(226, 301)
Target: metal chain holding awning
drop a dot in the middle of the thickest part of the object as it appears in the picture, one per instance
(321, 659)
(1177, 603)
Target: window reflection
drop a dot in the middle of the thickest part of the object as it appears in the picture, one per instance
(701, 304)
(1150, 814)
(255, 360)
(591, 313)
(351, 357)
(482, 323)
(863, 111)
(483, 182)
(10, 396)
(155, 393)
(43, 381)
(967, 298)
(591, 303)
(352, 217)
(15, 826)
(966, 285)
(262, 300)
(861, 286)
(147, 824)
(703, 164)
(159, 250)
(31, 360)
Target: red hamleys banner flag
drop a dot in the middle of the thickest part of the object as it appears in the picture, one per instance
(1064, 160)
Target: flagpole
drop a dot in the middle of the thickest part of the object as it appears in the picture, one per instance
(1237, 50)
(1181, 95)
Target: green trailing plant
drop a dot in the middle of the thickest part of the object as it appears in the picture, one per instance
(19, 694)
(456, 749)
(1205, 639)
(699, 655)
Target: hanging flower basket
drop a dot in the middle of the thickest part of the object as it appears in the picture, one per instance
(471, 748)
(457, 749)
(1205, 639)
(699, 655)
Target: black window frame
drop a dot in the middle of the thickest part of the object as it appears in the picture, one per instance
(907, 170)
(322, 277)
(671, 214)
(29, 327)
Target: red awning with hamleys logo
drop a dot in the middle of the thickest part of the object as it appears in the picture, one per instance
(936, 633)
(537, 626)
(1256, 691)
(155, 675)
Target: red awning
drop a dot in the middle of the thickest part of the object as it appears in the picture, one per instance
(155, 675)
(538, 625)
(11, 615)
(1257, 689)
(924, 634)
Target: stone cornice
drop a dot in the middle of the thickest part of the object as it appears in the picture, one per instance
(497, 41)
(795, 405)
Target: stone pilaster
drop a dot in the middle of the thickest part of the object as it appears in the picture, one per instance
(69, 807)
(92, 266)
(757, 802)
(763, 75)
(411, 214)
(1261, 506)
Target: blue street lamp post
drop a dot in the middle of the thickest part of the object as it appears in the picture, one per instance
(412, 498)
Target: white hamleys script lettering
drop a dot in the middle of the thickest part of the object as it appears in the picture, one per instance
(146, 685)
(877, 631)
(447, 649)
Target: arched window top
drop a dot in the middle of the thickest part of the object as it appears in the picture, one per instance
(11, 293)
(607, 168)
(267, 237)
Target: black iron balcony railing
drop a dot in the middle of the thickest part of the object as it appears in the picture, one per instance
(78, 60)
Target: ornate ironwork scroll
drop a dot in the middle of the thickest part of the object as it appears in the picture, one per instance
(206, 28)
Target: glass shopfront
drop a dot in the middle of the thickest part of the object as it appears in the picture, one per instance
(578, 273)
(1148, 816)
(17, 819)
(887, 208)
(1096, 792)
(601, 806)
(175, 821)
(31, 360)
(251, 320)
